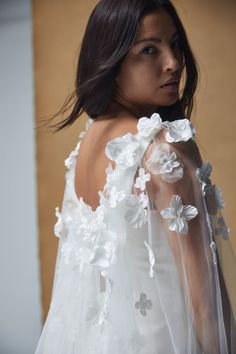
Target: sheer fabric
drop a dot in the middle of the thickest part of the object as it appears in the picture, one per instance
(142, 274)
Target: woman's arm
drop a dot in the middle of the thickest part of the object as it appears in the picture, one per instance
(179, 198)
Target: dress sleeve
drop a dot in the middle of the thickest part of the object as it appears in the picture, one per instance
(187, 206)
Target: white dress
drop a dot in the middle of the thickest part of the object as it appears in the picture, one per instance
(140, 274)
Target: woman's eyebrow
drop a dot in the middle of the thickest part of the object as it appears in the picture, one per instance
(153, 39)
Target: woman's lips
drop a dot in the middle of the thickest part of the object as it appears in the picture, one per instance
(174, 86)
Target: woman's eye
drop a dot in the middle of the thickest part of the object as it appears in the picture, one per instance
(148, 50)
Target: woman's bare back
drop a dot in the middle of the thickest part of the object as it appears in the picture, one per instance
(91, 162)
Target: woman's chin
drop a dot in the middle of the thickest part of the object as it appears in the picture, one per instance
(169, 101)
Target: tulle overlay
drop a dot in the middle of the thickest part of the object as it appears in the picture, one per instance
(141, 274)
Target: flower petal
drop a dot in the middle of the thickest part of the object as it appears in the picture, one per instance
(204, 172)
(124, 150)
(143, 199)
(176, 203)
(143, 311)
(100, 256)
(219, 198)
(179, 225)
(148, 304)
(149, 126)
(167, 213)
(174, 175)
(210, 197)
(140, 181)
(180, 130)
(143, 297)
(221, 228)
(115, 196)
(189, 212)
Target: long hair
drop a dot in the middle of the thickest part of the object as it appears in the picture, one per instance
(109, 34)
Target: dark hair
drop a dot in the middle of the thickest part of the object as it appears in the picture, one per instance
(110, 32)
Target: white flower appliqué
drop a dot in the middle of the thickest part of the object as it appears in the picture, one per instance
(179, 130)
(179, 214)
(143, 304)
(91, 223)
(115, 196)
(124, 150)
(103, 255)
(214, 198)
(92, 243)
(203, 174)
(149, 126)
(164, 162)
(143, 199)
(221, 228)
(142, 179)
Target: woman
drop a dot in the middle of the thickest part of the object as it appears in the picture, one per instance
(138, 269)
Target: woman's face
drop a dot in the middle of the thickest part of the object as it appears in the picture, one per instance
(154, 59)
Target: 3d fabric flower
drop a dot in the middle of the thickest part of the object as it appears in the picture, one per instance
(142, 179)
(203, 173)
(115, 196)
(179, 130)
(214, 198)
(221, 228)
(179, 214)
(125, 151)
(149, 126)
(164, 162)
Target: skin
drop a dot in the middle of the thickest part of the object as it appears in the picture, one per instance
(147, 66)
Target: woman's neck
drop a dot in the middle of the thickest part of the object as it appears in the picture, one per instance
(120, 106)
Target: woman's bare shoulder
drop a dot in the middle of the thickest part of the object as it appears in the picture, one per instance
(117, 125)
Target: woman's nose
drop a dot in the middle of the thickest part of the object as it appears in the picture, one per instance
(170, 60)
